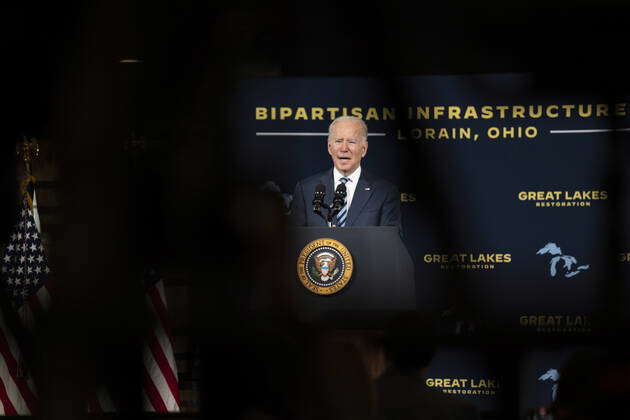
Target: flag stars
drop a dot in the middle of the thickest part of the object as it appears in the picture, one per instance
(24, 260)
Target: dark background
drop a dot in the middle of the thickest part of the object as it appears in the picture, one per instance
(64, 83)
(122, 207)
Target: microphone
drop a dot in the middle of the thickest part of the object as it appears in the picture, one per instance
(340, 198)
(318, 197)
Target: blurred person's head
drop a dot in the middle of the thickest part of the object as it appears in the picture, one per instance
(333, 380)
(591, 387)
(409, 342)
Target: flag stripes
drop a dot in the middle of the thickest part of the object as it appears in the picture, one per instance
(155, 400)
(7, 408)
(156, 302)
(161, 385)
(17, 389)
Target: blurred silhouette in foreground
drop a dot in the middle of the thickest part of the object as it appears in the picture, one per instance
(409, 344)
(593, 385)
(257, 360)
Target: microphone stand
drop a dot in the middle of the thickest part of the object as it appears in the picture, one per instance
(330, 215)
(333, 210)
(328, 218)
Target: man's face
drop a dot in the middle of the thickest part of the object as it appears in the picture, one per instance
(346, 146)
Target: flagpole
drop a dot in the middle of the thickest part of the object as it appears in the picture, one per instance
(28, 149)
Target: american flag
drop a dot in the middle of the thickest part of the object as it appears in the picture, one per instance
(17, 390)
(160, 385)
(24, 276)
(160, 382)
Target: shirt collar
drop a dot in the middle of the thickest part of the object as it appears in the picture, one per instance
(354, 176)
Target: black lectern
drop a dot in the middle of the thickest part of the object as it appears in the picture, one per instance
(382, 282)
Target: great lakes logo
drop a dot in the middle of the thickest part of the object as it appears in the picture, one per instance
(556, 323)
(568, 262)
(325, 266)
(465, 386)
(559, 198)
(468, 260)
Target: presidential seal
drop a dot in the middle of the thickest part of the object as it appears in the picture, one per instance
(324, 266)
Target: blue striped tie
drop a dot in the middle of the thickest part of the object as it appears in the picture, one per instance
(343, 213)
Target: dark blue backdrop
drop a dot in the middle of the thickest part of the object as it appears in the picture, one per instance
(462, 196)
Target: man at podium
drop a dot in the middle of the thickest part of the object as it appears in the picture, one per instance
(365, 201)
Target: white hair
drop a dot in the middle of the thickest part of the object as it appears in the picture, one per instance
(348, 118)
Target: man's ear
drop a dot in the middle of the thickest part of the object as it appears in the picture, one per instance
(365, 147)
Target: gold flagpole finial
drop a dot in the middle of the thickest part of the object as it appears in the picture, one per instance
(29, 150)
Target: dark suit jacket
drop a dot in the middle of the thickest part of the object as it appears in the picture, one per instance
(376, 202)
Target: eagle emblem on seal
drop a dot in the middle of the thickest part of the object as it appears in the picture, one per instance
(325, 263)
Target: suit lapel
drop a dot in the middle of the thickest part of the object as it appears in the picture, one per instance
(362, 194)
(328, 180)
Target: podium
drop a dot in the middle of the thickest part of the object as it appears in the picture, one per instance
(382, 281)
